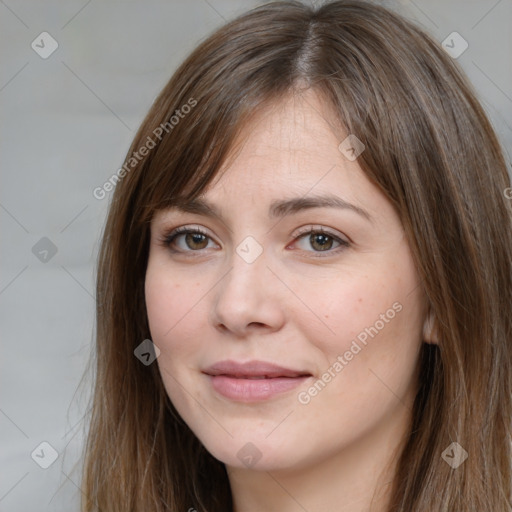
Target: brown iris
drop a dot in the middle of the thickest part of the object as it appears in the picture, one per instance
(196, 240)
(320, 241)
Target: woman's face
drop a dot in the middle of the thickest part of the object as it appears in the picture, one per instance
(299, 290)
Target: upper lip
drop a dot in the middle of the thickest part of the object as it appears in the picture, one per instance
(252, 369)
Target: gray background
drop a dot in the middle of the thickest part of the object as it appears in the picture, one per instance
(66, 124)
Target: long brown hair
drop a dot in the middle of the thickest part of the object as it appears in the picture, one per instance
(431, 150)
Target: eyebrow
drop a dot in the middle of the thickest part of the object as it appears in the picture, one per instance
(278, 209)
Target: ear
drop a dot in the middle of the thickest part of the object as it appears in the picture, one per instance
(430, 334)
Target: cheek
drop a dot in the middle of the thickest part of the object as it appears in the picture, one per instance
(160, 303)
(170, 301)
(368, 364)
(340, 309)
(376, 315)
(175, 313)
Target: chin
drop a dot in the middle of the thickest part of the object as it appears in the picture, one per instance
(260, 454)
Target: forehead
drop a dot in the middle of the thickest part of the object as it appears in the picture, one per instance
(301, 123)
(288, 150)
(291, 143)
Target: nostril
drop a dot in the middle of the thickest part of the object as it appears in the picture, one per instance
(256, 324)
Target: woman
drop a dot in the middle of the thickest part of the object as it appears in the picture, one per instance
(305, 284)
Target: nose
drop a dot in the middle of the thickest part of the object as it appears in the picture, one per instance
(248, 299)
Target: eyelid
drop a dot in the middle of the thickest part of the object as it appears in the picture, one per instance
(316, 228)
(184, 229)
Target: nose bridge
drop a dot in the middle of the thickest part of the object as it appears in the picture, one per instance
(244, 295)
(248, 272)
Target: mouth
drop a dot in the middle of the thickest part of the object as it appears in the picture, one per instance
(254, 380)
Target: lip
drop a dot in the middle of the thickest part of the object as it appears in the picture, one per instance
(253, 380)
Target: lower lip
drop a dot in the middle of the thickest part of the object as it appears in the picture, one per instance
(253, 390)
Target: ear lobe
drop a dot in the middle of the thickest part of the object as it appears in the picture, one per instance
(430, 334)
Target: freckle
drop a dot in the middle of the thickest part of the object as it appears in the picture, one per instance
(359, 300)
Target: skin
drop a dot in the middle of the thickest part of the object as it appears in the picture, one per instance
(296, 306)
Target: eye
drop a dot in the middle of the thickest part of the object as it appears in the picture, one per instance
(320, 241)
(186, 239)
(316, 240)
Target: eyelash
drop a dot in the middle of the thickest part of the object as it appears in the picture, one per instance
(168, 239)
